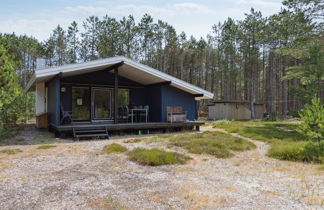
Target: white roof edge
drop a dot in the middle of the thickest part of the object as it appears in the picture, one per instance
(31, 82)
(97, 63)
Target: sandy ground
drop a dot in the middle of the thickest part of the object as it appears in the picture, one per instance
(78, 176)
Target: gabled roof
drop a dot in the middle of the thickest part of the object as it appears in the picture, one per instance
(130, 69)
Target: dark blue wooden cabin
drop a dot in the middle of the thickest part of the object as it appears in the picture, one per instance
(104, 92)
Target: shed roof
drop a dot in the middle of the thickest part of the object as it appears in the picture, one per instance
(130, 69)
(234, 102)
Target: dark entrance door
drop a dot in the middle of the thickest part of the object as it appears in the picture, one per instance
(101, 104)
(81, 101)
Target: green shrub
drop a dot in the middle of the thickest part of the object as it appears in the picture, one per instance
(46, 146)
(313, 122)
(10, 151)
(114, 148)
(155, 157)
(282, 150)
(296, 151)
(313, 153)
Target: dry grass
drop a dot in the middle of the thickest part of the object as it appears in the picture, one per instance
(106, 203)
(132, 140)
(199, 200)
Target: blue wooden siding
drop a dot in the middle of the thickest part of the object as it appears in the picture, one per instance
(158, 97)
(66, 98)
(53, 101)
(150, 96)
(137, 96)
(172, 96)
(154, 99)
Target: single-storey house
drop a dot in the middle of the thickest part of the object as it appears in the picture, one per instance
(113, 93)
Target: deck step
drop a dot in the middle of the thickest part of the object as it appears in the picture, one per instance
(88, 133)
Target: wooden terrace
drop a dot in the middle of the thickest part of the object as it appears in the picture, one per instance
(104, 129)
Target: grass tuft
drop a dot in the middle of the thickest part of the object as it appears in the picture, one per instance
(10, 151)
(156, 157)
(44, 139)
(114, 148)
(46, 146)
(321, 168)
(133, 140)
(217, 144)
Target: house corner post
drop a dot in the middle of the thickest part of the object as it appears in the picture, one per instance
(40, 98)
(116, 96)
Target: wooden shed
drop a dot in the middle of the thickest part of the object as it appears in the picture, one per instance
(234, 110)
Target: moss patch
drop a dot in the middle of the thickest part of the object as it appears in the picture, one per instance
(10, 151)
(46, 146)
(217, 144)
(114, 148)
(156, 157)
(263, 131)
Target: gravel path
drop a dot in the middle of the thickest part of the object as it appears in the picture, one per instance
(77, 176)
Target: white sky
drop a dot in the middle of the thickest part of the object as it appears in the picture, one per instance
(195, 17)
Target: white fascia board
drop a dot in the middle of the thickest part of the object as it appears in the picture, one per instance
(78, 66)
(31, 82)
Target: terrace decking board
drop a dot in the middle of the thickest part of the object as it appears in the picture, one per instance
(124, 126)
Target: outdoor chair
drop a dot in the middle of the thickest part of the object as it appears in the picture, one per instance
(66, 115)
(128, 114)
(143, 114)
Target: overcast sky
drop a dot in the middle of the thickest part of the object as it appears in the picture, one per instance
(195, 17)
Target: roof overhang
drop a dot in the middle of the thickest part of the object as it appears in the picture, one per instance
(129, 69)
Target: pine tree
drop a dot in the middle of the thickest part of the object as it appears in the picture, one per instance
(73, 42)
(313, 121)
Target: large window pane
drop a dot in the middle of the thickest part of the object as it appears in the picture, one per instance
(123, 95)
(102, 103)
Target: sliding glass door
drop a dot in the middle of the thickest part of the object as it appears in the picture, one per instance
(96, 103)
(101, 104)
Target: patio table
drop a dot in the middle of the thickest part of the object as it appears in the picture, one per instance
(138, 110)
